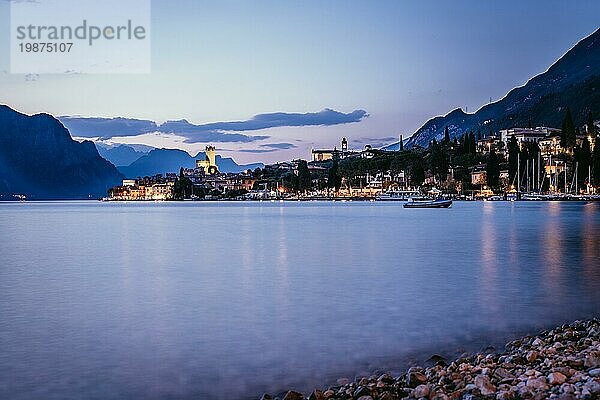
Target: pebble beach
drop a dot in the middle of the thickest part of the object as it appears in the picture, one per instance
(561, 363)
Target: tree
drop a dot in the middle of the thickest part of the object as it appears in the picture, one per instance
(568, 136)
(465, 143)
(513, 156)
(493, 169)
(439, 161)
(446, 135)
(334, 179)
(304, 178)
(591, 128)
(401, 145)
(469, 143)
(582, 156)
(183, 187)
(417, 172)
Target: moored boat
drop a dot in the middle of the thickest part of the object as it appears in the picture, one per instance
(396, 195)
(417, 202)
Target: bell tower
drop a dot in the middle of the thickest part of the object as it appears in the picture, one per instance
(344, 145)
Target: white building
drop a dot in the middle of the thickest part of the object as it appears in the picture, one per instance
(527, 134)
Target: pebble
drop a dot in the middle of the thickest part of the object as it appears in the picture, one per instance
(559, 364)
(556, 378)
(482, 382)
(421, 391)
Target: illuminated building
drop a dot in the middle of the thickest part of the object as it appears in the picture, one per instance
(209, 164)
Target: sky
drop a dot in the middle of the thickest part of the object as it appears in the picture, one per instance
(401, 62)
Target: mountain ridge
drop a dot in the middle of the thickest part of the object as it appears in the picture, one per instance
(160, 161)
(120, 155)
(38, 158)
(571, 81)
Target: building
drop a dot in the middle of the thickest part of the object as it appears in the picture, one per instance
(284, 166)
(527, 134)
(148, 188)
(368, 152)
(504, 177)
(323, 155)
(478, 175)
(209, 164)
(237, 182)
(485, 145)
(550, 146)
(318, 155)
(161, 191)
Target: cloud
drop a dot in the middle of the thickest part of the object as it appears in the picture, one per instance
(375, 142)
(217, 132)
(256, 151)
(325, 117)
(269, 148)
(279, 146)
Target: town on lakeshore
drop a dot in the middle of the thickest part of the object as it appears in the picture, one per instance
(521, 163)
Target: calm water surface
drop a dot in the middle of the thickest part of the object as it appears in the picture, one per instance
(228, 300)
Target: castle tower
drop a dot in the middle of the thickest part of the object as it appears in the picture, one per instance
(210, 156)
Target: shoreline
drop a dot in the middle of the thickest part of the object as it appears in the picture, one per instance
(295, 200)
(558, 363)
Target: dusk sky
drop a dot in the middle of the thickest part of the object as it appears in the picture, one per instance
(402, 62)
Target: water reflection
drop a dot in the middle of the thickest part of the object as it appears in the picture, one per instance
(553, 251)
(489, 260)
(590, 237)
(225, 301)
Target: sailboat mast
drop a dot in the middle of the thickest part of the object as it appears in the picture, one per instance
(540, 179)
(576, 177)
(518, 175)
(565, 164)
(527, 175)
(589, 179)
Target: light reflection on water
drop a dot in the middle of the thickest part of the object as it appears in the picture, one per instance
(206, 300)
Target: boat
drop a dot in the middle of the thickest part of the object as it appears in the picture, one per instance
(533, 197)
(425, 202)
(396, 195)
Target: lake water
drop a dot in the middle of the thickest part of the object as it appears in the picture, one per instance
(229, 300)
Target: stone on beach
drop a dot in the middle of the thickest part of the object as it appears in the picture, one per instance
(556, 378)
(482, 382)
(421, 391)
(562, 364)
(293, 395)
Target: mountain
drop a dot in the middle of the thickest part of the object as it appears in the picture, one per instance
(120, 155)
(573, 81)
(39, 158)
(160, 161)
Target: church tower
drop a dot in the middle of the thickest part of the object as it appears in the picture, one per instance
(344, 146)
